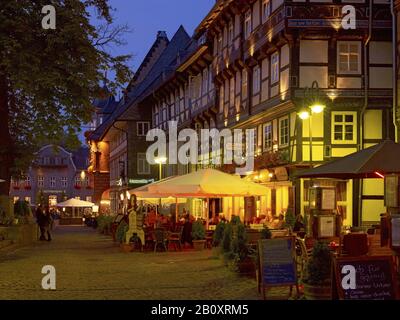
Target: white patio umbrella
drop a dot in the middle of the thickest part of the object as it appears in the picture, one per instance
(207, 183)
(75, 203)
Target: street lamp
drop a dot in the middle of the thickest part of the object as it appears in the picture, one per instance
(314, 108)
(160, 161)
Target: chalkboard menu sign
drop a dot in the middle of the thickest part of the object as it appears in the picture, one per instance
(365, 278)
(277, 262)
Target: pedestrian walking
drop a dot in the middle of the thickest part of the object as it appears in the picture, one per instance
(45, 225)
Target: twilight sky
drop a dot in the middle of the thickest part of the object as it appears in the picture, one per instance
(146, 17)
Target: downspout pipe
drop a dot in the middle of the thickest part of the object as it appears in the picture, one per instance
(366, 77)
(366, 85)
(394, 75)
(127, 146)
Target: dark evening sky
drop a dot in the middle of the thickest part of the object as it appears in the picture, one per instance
(146, 17)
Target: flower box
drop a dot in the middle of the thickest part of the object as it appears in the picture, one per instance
(77, 187)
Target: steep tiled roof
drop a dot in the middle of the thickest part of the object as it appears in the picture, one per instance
(160, 70)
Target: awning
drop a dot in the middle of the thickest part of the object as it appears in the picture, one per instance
(207, 183)
(75, 203)
(380, 159)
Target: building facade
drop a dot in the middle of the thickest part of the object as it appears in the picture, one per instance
(259, 64)
(121, 138)
(55, 176)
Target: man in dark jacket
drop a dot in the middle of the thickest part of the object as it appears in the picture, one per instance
(39, 220)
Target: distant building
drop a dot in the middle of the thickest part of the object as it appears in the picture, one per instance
(55, 175)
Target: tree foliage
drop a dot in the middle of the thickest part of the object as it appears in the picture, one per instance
(48, 78)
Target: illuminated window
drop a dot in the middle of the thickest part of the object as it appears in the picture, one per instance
(344, 126)
(349, 57)
(64, 181)
(40, 181)
(78, 181)
(275, 67)
(266, 10)
(52, 182)
(28, 181)
(247, 24)
(28, 200)
(16, 199)
(284, 131)
(268, 136)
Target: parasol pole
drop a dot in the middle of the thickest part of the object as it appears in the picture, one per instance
(176, 209)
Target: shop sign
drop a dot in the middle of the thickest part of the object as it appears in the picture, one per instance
(364, 278)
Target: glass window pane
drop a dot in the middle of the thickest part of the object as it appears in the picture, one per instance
(349, 118)
(338, 118)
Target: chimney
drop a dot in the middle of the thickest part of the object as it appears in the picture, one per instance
(162, 34)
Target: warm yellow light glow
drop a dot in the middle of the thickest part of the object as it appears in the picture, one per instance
(160, 160)
(128, 195)
(270, 174)
(238, 117)
(332, 95)
(105, 202)
(95, 209)
(83, 175)
(226, 123)
(304, 115)
(317, 108)
(122, 197)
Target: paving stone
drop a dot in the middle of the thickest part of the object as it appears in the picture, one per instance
(90, 266)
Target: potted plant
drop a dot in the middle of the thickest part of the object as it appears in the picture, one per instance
(198, 235)
(290, 219)
(243, 255)
(120, 236)
(317, 279)
(218, 234)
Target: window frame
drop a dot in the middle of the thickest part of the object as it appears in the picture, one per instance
(343, 123)
(265, 125)
(64, 181)
(266, 8)
(140, 132)
(53, 182)
(40, 181)
(280, 131)
(275, 67)
(338, 53)
(256, 80)
(140, 160)
(247, 24)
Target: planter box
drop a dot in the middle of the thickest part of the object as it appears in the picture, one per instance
(312, 292)
(126, 247)
(22, 235)
(199, 245)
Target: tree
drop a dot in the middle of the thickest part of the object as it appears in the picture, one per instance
(48, 78)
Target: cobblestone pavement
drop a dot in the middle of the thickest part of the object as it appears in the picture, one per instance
(91, 266)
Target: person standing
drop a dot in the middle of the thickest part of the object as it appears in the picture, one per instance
(46, 223)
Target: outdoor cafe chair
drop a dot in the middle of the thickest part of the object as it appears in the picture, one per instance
(160, 239)
(175, 238)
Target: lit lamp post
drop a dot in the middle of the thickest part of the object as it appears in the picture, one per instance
(313, 106)
(160, 161)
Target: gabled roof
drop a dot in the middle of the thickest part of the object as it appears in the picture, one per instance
(163, 67)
